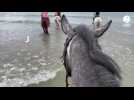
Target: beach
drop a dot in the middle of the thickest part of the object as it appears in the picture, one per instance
(38, 64)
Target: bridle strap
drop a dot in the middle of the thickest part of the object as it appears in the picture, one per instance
(68, 39)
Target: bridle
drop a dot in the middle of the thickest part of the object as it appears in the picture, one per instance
(64, 56)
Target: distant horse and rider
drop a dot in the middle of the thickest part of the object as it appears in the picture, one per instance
(97, 20)
(84, 59)
(45, 21)
(57, 20)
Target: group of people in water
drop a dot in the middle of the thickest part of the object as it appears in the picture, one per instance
(45, 21)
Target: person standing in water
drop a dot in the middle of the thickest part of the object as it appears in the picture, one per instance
(59, 14)
(45, 22)
(57, 20)
(97, 20)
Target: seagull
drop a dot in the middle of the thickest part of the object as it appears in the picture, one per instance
(28, 39)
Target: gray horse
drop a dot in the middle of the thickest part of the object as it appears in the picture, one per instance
(84, 60)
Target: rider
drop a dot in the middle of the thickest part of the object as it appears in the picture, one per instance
(97, 20)
(59, 14)
(57, 19)
(45, 21)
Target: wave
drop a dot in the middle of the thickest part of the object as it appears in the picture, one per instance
(33, 18)
(19, 21)
(42, 76)
(36, 17)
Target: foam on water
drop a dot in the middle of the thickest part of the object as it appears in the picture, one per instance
(29, 69)
(43, 75)
(35, 56)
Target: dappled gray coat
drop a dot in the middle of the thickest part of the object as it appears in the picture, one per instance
(84, 60)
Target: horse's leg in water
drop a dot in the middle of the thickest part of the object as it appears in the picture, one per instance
(46, 28)
(67, 80)
(57, 24)
(43, 26)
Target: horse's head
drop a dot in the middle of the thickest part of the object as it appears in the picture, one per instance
(90, 37)
(67, 28)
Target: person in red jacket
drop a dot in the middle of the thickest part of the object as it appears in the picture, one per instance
(57, 19)
(45, 22)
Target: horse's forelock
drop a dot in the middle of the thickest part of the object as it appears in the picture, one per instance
(84, 32)
(82, 28)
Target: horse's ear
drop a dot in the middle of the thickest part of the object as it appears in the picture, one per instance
(99, 32)
(66, 27)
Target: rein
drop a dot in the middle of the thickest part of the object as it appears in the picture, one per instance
(64, 56)
(68, 39)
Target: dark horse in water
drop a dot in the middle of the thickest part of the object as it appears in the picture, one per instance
(84, 60)
(45, 22)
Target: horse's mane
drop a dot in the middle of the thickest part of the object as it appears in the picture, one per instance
(95, 52)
